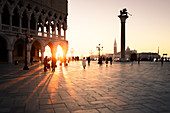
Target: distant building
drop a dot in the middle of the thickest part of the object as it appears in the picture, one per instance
(148, 56)
(115, 47)
(128, 52)
(109, 55)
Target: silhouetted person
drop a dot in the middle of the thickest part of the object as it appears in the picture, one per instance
(111, 60)
(84, 62)
(162, 60)
(53, 64)
(100, 60)
(131, 59)
(107, 61)
(45, 63)
(138, 60)
(88, 59)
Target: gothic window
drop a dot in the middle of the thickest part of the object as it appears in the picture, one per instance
(15, 18)
(32, 22)
(5, 15)
(24, 20)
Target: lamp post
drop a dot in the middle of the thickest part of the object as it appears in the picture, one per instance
(99, 49)
(27, 40)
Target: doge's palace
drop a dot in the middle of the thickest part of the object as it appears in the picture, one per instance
(45, 20)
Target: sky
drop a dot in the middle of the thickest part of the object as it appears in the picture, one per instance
(93, 22)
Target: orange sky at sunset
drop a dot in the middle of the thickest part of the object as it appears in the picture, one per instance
(91, 22)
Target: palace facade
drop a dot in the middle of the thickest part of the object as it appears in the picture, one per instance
(45, 20)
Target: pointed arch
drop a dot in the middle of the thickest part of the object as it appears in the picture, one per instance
(15, 18)
(36, 50)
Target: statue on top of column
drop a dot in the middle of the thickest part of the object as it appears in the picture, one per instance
(124, 12)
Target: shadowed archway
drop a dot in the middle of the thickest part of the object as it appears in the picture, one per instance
(3, 50)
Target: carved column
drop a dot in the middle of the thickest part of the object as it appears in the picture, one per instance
(29, 19)
(48, 32)
(65, 28)
(42, 56)
(10, 56)
(59, 30)
(20, 22)
(10, 20)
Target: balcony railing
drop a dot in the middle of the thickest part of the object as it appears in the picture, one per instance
(16, 30)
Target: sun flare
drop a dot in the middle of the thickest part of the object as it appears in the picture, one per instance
(47, 51)
(59, 52)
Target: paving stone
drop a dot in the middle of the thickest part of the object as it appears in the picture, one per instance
(86, 111)
(130, 111)
(119, 88)
(46, 111)
(105, 110)
(61, 110)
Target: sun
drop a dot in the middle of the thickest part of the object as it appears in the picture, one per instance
(59, 53)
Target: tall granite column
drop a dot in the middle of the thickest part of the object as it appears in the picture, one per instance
(123, 18)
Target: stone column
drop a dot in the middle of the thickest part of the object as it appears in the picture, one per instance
(10, 56)
(29, 45)
(20, 23)
(123, 21)
(29, 25)
(42, 56)
(48, 32)
(65, 28)
(28, 56)
(10, 20)
(54, 30)
(59, 30)
(36, 24)
(42, 29)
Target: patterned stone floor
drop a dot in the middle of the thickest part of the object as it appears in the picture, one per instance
(116, 88)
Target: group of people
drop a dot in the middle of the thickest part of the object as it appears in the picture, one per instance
(99, 62)
(106, 60)
(47, 65)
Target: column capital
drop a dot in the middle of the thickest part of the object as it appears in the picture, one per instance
(123, 18)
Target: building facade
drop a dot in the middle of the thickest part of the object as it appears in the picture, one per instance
(46, 20)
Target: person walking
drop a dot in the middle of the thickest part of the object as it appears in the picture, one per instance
(84, 62)
(88, 60)
(139, 60)
(53, 64)
(107, 61)
(110, 60)
(45, 63)
(162, 60)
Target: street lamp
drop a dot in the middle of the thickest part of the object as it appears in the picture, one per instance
(99, 49)
(27, 39)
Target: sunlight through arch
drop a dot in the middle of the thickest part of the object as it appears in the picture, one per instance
(59, 53)
(47, 51)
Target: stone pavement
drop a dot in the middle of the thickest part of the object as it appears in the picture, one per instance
(116, 88)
